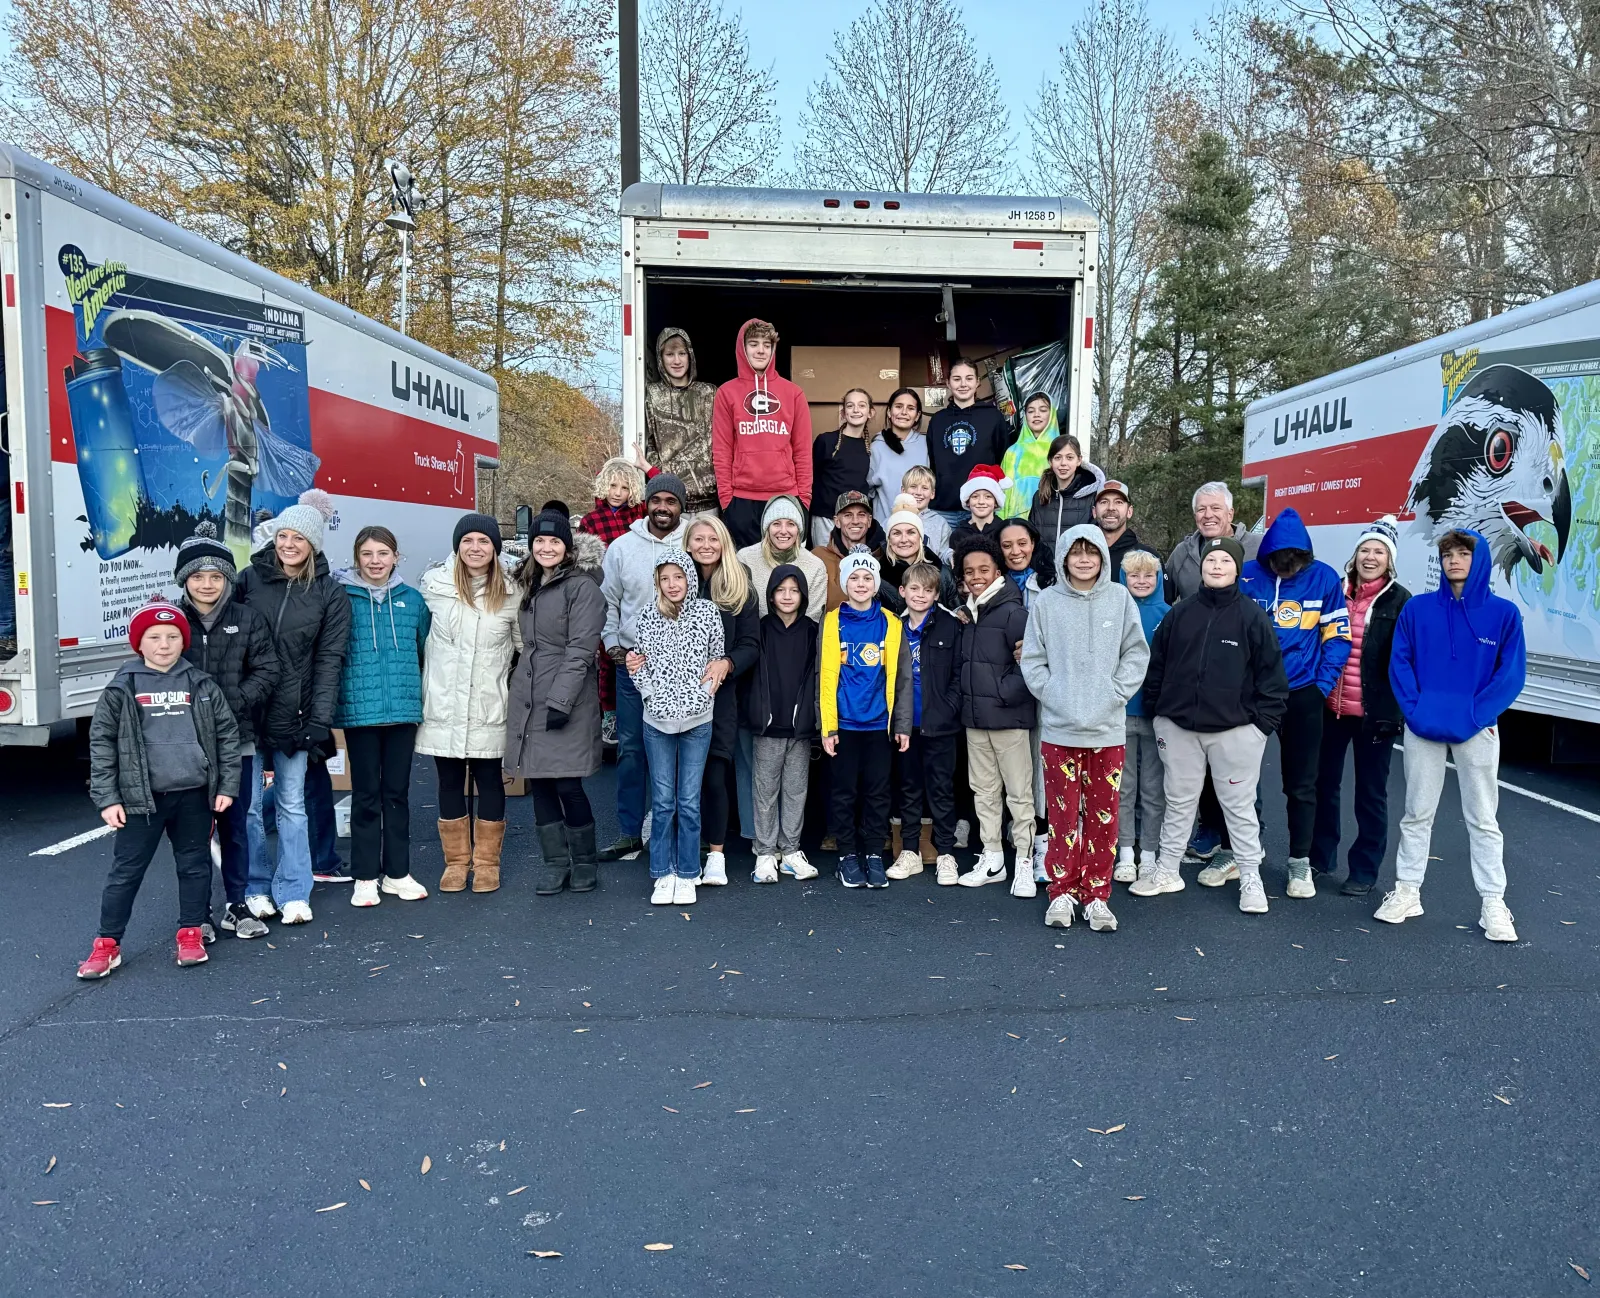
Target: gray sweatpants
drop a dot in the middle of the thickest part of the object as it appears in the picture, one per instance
(780, 772)
(1477, 772)
(1234, 757)
(1142, 789)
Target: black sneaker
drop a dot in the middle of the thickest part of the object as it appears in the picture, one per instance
(626, 848)
(1355, 888)
(850, 872)
(331, 876)
(876, 877)
(237, 919)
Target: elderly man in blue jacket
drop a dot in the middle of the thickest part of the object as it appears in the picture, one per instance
(1305, 600)
(1459, 661)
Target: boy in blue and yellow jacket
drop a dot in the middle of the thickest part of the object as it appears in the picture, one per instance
(1459, 661)
(1304, 597)
(863, 697)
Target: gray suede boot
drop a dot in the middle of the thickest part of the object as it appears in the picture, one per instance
(552, 876)
(585, 869)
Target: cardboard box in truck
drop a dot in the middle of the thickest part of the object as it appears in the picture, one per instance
(825, 374)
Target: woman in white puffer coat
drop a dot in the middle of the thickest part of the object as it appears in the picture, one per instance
(465, 685)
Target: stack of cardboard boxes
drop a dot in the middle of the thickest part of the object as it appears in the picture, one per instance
(825, 374)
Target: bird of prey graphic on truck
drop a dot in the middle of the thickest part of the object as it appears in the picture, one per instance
(1495, 464)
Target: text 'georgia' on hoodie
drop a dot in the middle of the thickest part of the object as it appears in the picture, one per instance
(1307, 610)
(760, 434)
(1458, 663)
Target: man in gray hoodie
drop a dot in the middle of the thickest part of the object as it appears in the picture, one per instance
(1079, 628)
(628, 581)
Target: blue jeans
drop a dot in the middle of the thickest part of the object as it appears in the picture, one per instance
(291, 881)
(677, 765)
(321, 828)
(743, 771)
(233, 834)
(633, 764)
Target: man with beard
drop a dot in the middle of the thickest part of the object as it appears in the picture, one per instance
(1113, 511)
(628, 581)
(853, 525)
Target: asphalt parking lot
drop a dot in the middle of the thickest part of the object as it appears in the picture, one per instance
(803, 1090)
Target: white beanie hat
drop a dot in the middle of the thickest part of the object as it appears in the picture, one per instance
(860, 557)
(986, 477)
(1387, 530)
(783, 507)
(309, 517)
(905, 511)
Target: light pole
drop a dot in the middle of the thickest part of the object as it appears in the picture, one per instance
(402, 218)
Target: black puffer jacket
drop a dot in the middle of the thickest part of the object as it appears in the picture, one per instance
(310, 625)
(119, 772)
(941, 681)
(239, 655)
(1215, 664)
(993, 694)
(741, 640)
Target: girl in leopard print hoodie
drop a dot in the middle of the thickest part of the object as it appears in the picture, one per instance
(678, 637)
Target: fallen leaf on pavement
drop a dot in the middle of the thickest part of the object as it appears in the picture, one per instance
(377, 967)
(1198, 951)
(362, 1183)
(700, 1086)
(1097, 1131)
(1076, 1163)
(1181, 1019)
(578, 1030)
(427, 1164)
(1013, 1036)
(1121, 1126)
(657, 1248)
(1133, 1198)
(283, 1092)
(413, 934)
(1297, 946)
(1015, 1266)
(542, 1252)
(937, 977)
(1389, 1002)
(334, 1207)
(1579, 1269)
(744, 1110)
(1160, 989)
(422, 1081)
(270, 947)
(1327, 1059)
(1569, 922)
(518, 1190)
(668, 1108)
(262, 1001)
(283, 1065)
(50, 1166)
(502, 1146)
(740, 972)
(586, 1005)
(44, 1203)
(580, 1110)
(67, 1105)
(1502, 1099)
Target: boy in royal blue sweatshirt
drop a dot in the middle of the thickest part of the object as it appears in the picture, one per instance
(863, 697)
(1304, 597)
(1459, 661)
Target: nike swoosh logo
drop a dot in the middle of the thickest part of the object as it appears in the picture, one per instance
(1235, 781)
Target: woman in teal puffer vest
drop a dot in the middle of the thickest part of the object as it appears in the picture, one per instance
(380, 707)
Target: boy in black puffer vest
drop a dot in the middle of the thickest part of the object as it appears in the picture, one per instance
(232, 644)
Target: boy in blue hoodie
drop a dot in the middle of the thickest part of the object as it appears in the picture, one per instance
(1304, 597)
(1142, 772)
(1459, 661)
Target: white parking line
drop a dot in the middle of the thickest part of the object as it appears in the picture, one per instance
(77, 840)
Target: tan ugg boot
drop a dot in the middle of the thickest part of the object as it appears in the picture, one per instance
(930, 853)
(455, 838)
(487, 836)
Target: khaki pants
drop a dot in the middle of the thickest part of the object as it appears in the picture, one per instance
(1002, 760)
(1234, 757)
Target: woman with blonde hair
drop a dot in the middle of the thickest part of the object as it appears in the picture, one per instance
(726, 583)
(471, 641)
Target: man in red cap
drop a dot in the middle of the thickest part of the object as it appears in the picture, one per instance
(163, 758)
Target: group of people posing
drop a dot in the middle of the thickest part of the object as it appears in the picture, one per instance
(1022, 657)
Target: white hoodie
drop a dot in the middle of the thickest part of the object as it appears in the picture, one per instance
(628, 578)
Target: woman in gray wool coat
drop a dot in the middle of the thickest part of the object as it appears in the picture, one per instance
(553, 726)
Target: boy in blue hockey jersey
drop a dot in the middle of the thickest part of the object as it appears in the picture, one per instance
(1304, 597)
(1459, 661)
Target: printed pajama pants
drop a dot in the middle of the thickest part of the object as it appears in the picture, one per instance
(1081, 790)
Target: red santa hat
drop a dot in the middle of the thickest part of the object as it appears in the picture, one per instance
(158, 613)
(986, 477)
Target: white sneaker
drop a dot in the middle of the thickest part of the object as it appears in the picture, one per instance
(1252, 896)
(1495, 921)
(963, 832)
(1059, 913)
(1301, 885)
(1100, 918)
(663, 890)
(1041, 845)
(261, 906)
(365, 893)
(947, 872)
(990, 868)
(905, 865)
(407, 889)
(683, 892)
(1155, 879)
(1022, 881)
(1222, 869)
(296, 912)
(715, 872)
(766, 870)
(1404, 903)
(1126, 871)
(795, 865)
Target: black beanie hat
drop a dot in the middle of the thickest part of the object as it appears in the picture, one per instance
(1229, 547)
(202, 552)
(560, 507)
(552, 522)
(476, 523)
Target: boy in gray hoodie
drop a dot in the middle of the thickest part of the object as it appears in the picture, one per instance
(1078, 628)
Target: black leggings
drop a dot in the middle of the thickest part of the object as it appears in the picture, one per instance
(453, 787)
(714, 800)
(560, 799)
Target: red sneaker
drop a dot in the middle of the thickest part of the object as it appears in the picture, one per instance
(105, 957)
(191, 947)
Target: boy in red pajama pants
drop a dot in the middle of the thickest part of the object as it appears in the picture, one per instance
(1078, 628)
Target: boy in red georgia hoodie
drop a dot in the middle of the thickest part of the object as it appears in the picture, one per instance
(760, 435)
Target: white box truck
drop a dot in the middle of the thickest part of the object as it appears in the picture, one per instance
(150, 381)
(1494, 427)
(930, 275)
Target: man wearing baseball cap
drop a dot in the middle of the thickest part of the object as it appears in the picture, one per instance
(1113, 511)
(853, 527)
(163, 757)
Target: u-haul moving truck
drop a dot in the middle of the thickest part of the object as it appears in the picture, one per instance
(153, 380)
(1495, 427)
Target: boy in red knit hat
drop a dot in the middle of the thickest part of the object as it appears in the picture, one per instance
(163, 758)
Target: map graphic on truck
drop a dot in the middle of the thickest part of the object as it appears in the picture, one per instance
(184, 405)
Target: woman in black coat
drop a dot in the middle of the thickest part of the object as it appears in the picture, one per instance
(726, 583)
(1362, 714)
(288, 584)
